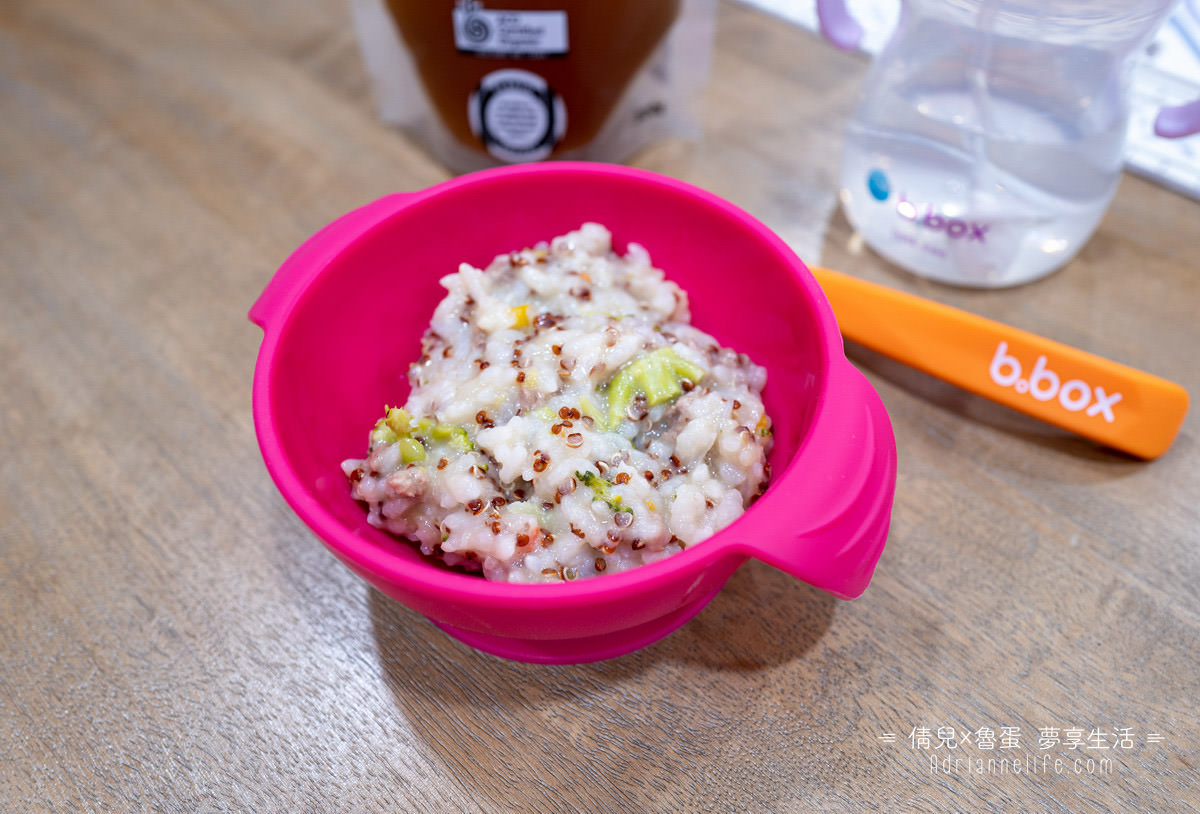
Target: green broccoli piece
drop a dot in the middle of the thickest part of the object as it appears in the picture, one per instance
(398, 426)
(657, 376)
(602, 491)
(456, 436)
(412, 451)
(393, 426)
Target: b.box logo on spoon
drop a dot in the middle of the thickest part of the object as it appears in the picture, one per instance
(1044, 384)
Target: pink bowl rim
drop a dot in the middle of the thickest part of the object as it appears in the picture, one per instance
(369, 557)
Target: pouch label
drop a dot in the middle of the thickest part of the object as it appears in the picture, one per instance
(509, 33)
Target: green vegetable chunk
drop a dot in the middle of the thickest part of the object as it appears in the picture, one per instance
(600, 488)
(457, 437)
(393, 426)
(656, 375)
(411, 450)
(397, 426)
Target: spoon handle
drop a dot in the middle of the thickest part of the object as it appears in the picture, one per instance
(1108, 402)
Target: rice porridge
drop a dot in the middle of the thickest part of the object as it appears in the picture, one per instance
(566, 420)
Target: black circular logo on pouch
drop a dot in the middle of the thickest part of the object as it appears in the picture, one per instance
(517, 115)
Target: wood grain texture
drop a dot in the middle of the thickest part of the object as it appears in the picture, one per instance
(173, 639)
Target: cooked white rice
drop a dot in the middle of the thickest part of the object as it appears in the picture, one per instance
(566, 420)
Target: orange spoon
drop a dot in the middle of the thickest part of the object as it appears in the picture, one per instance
(1099, 399)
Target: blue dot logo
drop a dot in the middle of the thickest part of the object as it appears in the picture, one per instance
(878, 185)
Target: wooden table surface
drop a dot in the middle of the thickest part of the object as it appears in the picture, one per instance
(172, 638)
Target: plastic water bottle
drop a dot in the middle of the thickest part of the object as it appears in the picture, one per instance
(990, 134)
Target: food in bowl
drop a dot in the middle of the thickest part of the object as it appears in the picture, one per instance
(566, 420)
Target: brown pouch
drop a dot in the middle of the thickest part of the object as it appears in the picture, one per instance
(488, 82)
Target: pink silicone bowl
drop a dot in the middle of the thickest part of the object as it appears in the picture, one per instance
(343, 318)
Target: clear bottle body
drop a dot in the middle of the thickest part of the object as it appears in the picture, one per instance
(989, 136)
